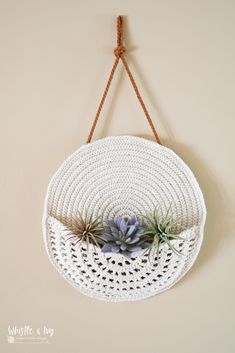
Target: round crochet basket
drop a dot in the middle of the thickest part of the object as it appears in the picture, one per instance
(122, 176)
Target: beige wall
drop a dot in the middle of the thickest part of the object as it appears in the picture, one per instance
(55, 58)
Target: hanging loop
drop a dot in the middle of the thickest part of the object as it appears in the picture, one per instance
(120, 49)
(119, 52)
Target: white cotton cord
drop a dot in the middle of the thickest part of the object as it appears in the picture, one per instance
(122, 176)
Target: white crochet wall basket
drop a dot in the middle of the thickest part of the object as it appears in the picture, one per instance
(116, 179)
(122, 176)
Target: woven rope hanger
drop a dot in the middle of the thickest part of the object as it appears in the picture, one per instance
(119, 52)
(115, 177)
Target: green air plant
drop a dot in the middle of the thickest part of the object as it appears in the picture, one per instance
(159, 231)
(86, 229)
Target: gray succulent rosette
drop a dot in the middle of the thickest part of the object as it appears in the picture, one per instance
(123, 236)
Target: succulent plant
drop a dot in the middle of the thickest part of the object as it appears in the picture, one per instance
(86, 229)
(159, 231)
(123, 236)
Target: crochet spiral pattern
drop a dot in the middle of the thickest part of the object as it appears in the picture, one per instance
(122, 176)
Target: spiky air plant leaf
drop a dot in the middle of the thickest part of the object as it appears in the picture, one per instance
(123, 236)
(159, 231)
(87, 229)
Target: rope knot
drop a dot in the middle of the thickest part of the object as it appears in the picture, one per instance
(119, 51)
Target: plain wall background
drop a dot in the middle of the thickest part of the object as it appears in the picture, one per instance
(54, 62)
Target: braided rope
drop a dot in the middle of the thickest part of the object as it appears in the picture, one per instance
(119, 52)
